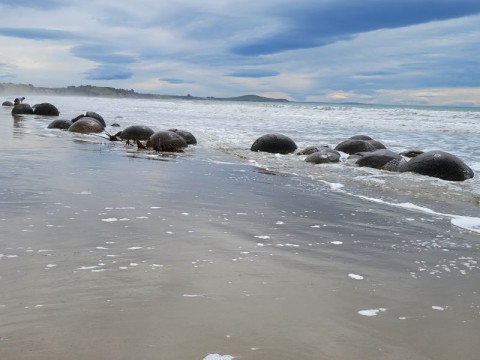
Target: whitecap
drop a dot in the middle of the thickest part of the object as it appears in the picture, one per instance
(371, 312)
(466, 222)
(218, 357)
(355, 276)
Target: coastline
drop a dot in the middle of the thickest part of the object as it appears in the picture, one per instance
(109, 255)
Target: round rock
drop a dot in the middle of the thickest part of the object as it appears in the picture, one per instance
(21, 109)
(439, 164)
(46, 109)
(323, 156)
(355, 146)
(275, 144)
(86, 125)
(378, 159)
(166, 141)
(186, 135)
(60, 124)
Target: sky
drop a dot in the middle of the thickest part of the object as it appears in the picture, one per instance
(424, 52)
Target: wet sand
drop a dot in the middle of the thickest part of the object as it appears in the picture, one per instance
(106, 255)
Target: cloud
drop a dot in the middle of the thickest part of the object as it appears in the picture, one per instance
(37, 33)
(102, 53)
(301, 48)
(109, 72)
(176, 81)
(254, 73)
(430, 96)
(308, 25)
(44, 4)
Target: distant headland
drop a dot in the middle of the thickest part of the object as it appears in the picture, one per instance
(103, 91)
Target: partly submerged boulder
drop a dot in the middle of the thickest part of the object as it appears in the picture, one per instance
(311, 149)
(93, 115)
(439, 164)
(21, 109)
(355, 146)
(323, 156)
(60, 124)
(380, 159)
(166, 141)
(86, 125)
(135, 132)
(274, 143)
(46, 109)
(360, 137)
(186, 135)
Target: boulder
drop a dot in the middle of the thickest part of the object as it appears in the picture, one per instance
(439, 164)
(46, 109)
(274, 143)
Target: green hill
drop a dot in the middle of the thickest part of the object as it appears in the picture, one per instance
(10, 89)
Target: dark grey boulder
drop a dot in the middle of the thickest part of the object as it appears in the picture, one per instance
(311, 149)
(92, 115)
(45, 109)
(134, 132)
(7, 103)
(21, 109)
(275, 144)
(166, 141)
(411, 153)
(439, 164)
(60, 124)
(186, 135)
(377, 144)
(378, 159)
(323, 156)
(86, 125)
(360, 137)
(355, 146)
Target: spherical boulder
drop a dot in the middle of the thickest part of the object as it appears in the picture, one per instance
(376, 144)
(186, 135)
(360, 137)
(311, 149)
(355, 146)
(379, 159)
(323, 156)
(60, 124)
(411, 153)
(439, 164)
(46, 109)
(7, 103)
(135, 132)
(92, 115)
(21, 109)
(166, 141)
(274, 143)
(86, 125)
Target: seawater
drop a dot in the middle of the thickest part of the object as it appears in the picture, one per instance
(226, 130)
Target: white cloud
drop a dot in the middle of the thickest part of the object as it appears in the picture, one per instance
(192, 41)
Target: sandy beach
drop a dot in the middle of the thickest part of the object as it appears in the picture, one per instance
(108, 254)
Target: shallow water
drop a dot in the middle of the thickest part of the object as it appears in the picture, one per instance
(110, 253)
(226, 131)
